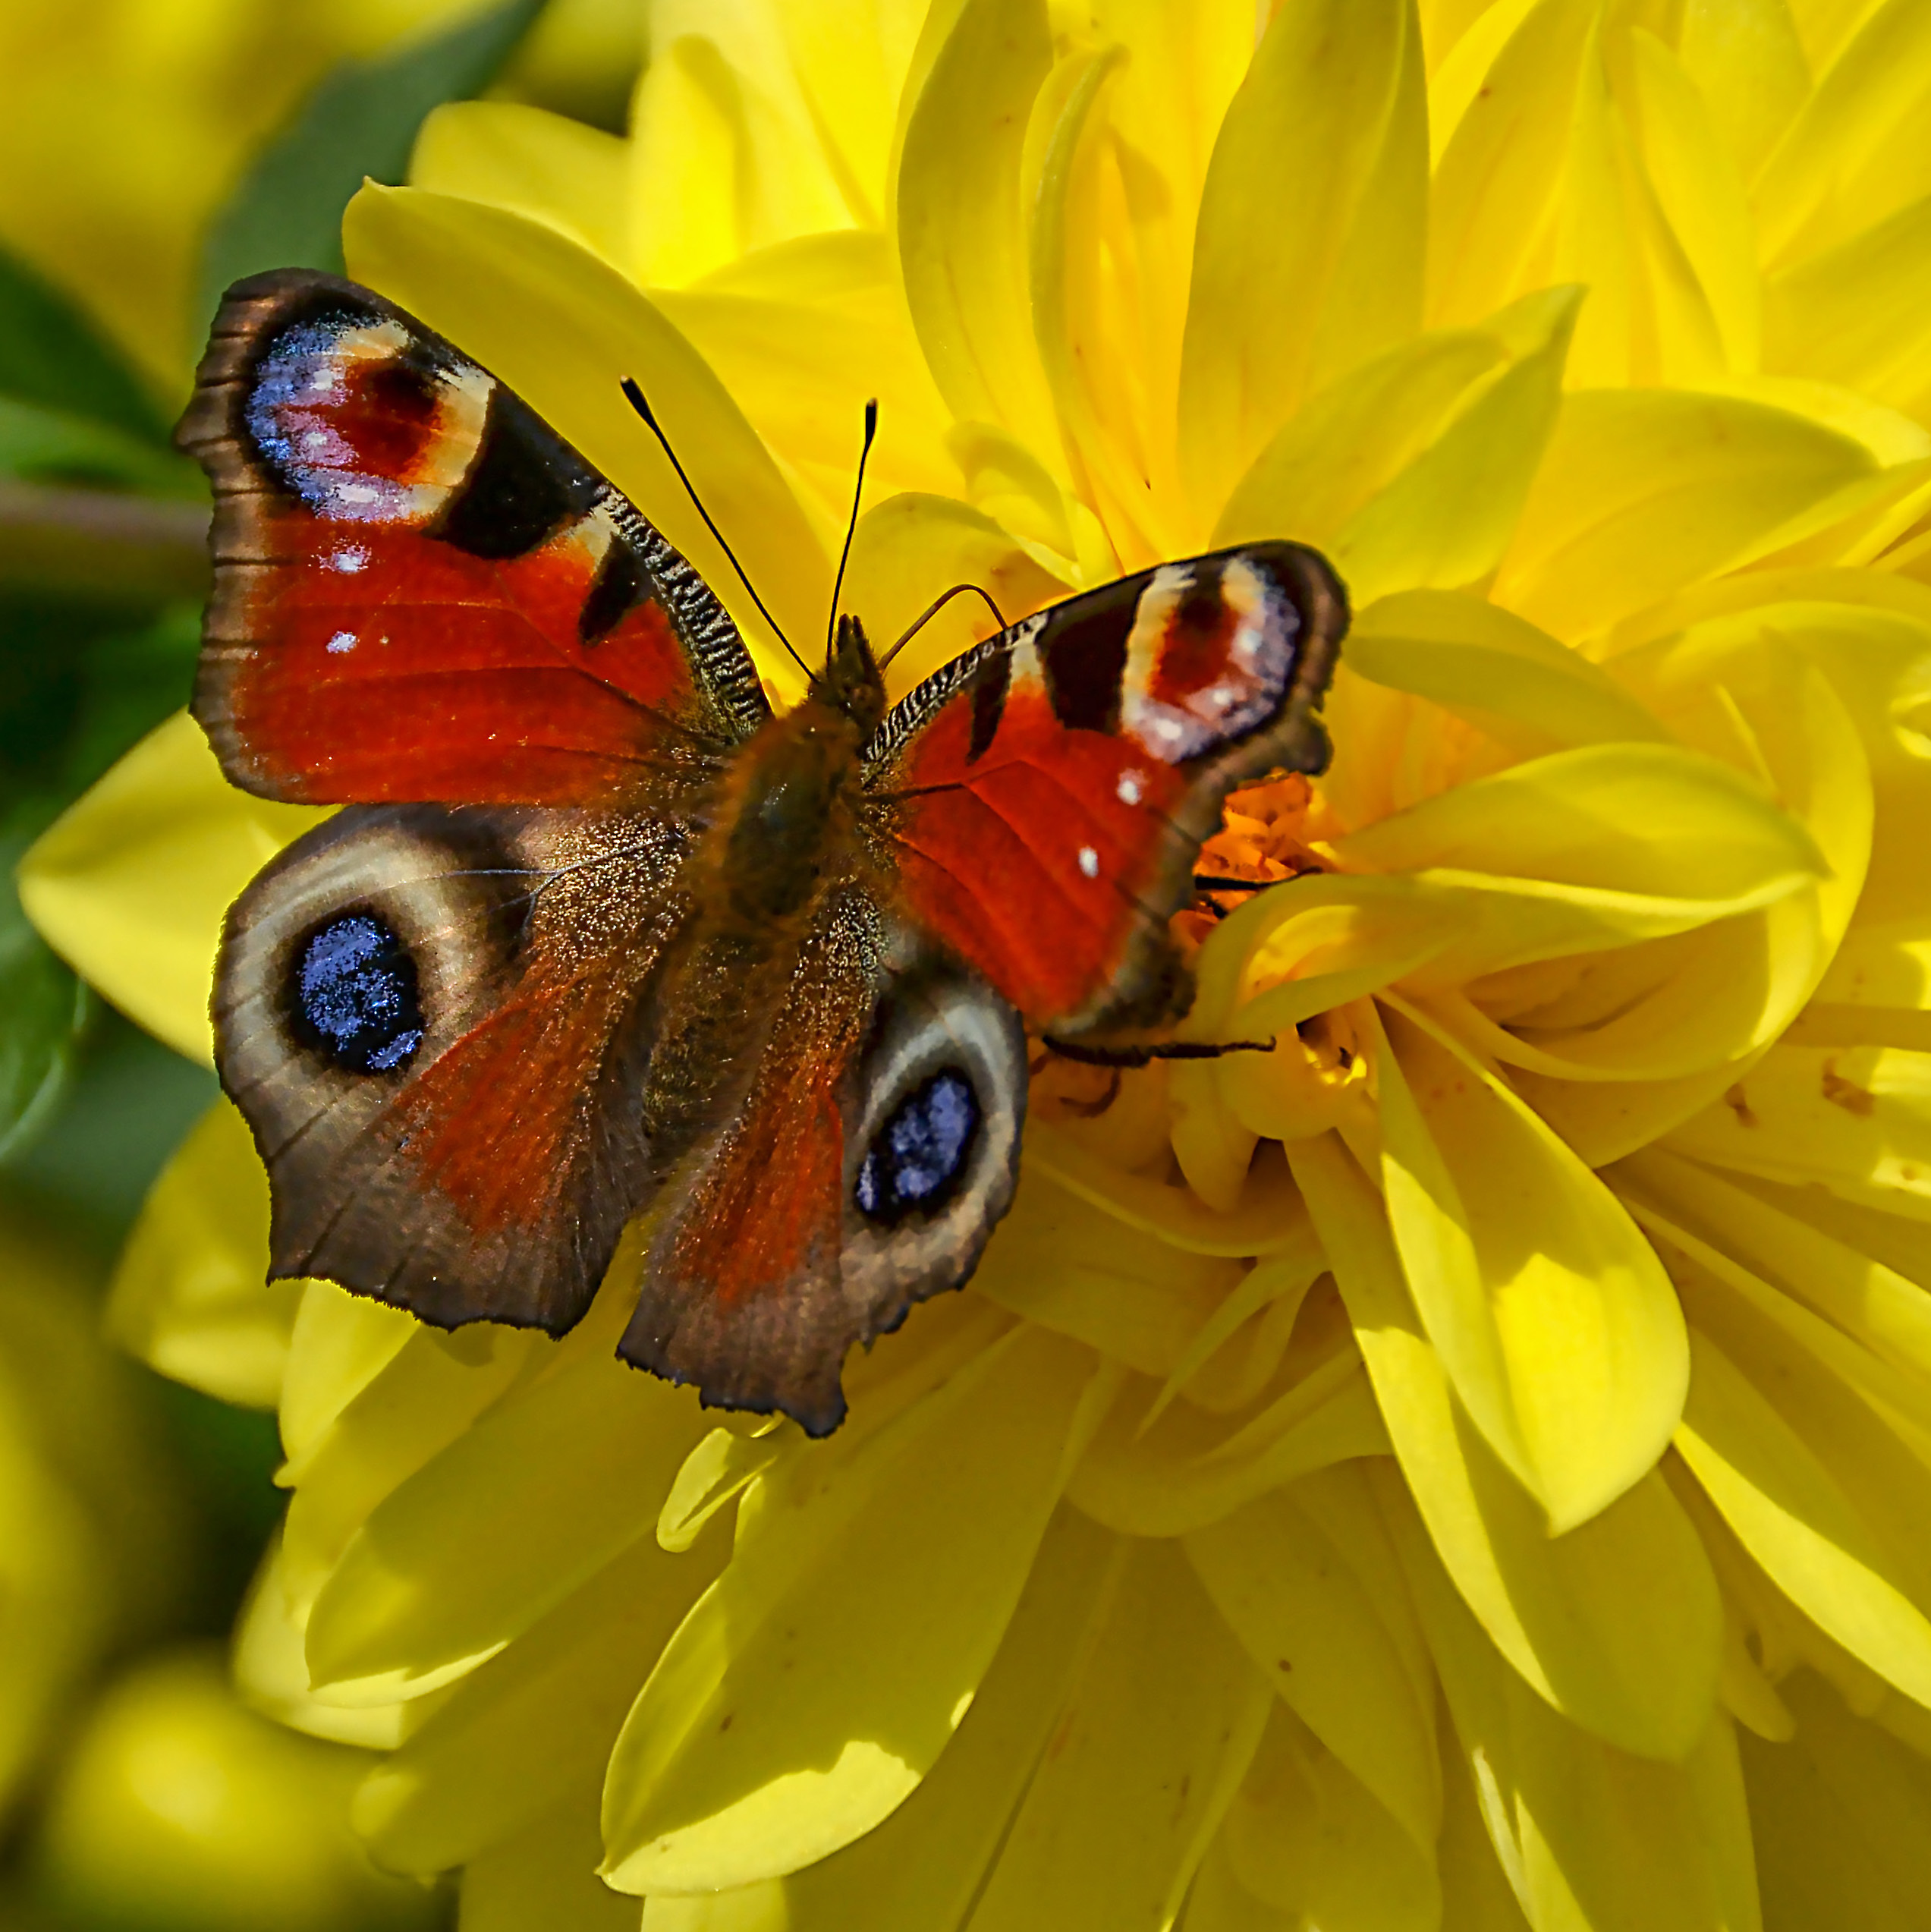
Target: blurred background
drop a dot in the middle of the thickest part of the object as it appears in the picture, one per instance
(151, 151)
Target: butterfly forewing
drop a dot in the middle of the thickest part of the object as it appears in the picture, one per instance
(422, 592)
(1043, 796)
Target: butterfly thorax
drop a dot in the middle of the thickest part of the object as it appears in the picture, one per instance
(787, 810)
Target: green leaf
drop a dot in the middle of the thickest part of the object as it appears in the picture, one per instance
(54, 446)
(52, 354)
(130, 1103)
(76, 690)
(43, 1007)
(361, 121)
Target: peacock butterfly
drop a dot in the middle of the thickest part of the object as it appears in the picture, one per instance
(598, 933)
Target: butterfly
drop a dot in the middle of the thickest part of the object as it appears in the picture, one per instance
(599, 934)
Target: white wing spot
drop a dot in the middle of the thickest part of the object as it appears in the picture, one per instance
(343, 640)
(1088, 861)
(1131, 788)
(349, 558)
(351, 492)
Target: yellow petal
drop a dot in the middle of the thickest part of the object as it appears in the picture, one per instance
(1476, 1889)
(1550, 1311)
(801, 372)
(1885, 1311)
(562, 329)
(850, 58)
(1271, 1217)
(1855, 1120)
(1595, 818)
(1700, 189)
(961, 238)
(1506, 678)
(131, 885)
(1497, 184)
(1747, 62)
(1858, 314)
(775, 1727)
(1164, 1478)
(190, 1294)
(1589, 849)
(926, 1864)
(1344, 446)
(464, 1555)
(1617, 1624)
(491, 1758)
(1306, 1837)
(1313, 943)
(1448, 517)
(726, 155)
(547, 166)
(1644, 491)
(716, 1473)
(910, 550)
(1324, 149)
(1151, 1742)
(689, 164)
(1462, 39)
(1589, 1835)
(423, 1399)
(1213, 1149)
(1835, 1813)
(546, 1876)
(1412, 470)
(1325, 1617)
(1818, 1491)
(1061, 1262)
(1113, 242)
(340, 1344)
(1855, 151)
(271, 1673)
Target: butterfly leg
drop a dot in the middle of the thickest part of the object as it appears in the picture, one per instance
(1144, 1054)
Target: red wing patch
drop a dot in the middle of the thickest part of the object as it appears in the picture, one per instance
(1043, 796)
(422, 593)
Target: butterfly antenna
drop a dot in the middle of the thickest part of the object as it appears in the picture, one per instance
(634, 395)
(851, 528)
(932, 609)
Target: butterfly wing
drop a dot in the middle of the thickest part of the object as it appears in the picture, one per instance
(1042, 797)
(421, 592)
(431, 1020)
(870, 1151)
(430, 1010)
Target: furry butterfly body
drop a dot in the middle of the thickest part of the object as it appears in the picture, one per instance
(598, 934)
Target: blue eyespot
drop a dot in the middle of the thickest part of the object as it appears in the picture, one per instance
(354, 996)
(916, 1157)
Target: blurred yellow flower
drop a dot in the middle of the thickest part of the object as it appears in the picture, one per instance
(1468, 1467)
(92, 1539)
(125, 124)
(177, 1807)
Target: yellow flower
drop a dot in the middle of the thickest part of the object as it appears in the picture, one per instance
(124, 125)
(92, 1531)
(1469, 1466)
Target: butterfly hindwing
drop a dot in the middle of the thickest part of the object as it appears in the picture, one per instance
(422, 592)
(873, 1148)
(1043, 796)
(429, 1018)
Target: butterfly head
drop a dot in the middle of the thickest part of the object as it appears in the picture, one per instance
(851, 681)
